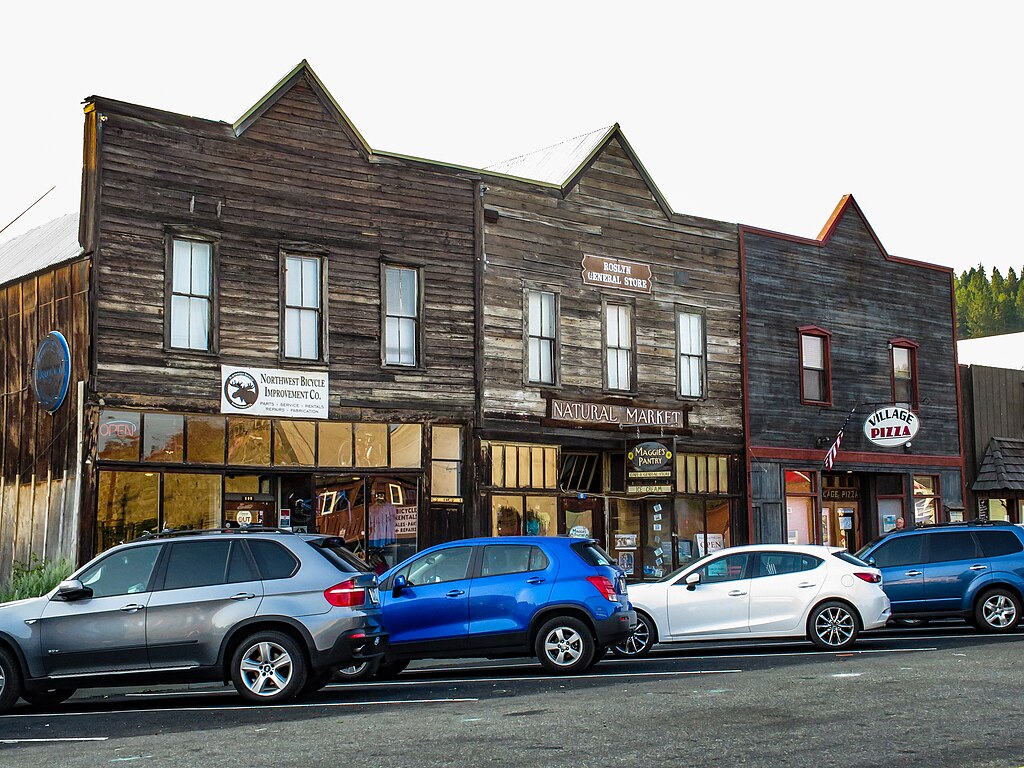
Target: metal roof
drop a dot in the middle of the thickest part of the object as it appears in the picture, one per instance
(1003, 351)
(554, 164)
(1003, 467)
(45, 246)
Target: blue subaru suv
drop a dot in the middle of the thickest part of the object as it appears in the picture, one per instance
(557, 598)
(973, 570)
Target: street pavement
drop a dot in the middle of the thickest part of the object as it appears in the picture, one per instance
(936, 696)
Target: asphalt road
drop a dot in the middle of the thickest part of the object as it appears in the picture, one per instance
(941, 696)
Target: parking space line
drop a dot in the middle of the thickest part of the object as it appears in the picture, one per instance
(565, 678)
(44, 741)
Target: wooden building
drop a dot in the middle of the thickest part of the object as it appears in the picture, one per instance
(610, 396)
(841, 336)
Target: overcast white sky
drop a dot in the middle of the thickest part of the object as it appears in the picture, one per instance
(763, 113)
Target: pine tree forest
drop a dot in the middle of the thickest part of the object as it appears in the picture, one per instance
(986, 306)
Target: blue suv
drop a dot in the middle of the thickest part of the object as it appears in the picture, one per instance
(974, 571)
(559, 599)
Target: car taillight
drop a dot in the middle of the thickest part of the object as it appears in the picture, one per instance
(870, 578)
(605, 587)
(345, 595)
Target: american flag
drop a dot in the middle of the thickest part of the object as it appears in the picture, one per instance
(830, 457)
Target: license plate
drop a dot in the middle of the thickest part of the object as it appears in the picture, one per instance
(374, 595)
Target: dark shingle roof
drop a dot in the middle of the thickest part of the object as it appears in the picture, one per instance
(45, 246)
(1003, 467)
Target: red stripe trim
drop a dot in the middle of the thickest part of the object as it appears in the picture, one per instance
(882, 459)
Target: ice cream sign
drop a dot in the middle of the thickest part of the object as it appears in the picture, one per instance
(891, 427)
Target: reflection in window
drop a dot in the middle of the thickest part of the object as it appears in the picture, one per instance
(401, 309)
(904, 374)
(814, 367)
(926, 499)
(406, 444)
(335, 444)
(122, 573)
(163, 437)
(507, 515)
(446, 461)
(541, 516)
(127, 506)
(119, 435)
(371, 445)
(248, 441)
(206, 438)
(191, 502)
(293, 443)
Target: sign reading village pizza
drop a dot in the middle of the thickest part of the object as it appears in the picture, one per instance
(891, 427)
(273, 392)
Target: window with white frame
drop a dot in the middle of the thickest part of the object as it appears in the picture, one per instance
(191, 294)
(303, 301)
(690, 340)
(401, 316)
(618, 337)
(541, 327)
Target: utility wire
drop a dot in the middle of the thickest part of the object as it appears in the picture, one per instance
(29, 208)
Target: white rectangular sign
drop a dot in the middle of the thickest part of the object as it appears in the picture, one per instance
(273, 392)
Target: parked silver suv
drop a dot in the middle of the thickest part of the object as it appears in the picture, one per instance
(273, 612)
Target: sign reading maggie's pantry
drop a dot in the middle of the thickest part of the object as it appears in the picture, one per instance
(649, 467)
(273, 392)
(615, 273)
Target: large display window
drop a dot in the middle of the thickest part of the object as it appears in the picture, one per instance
(128, 505)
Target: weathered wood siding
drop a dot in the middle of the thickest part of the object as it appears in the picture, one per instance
(539, 240)
(295, 175)
(39, 450)
(993, 404)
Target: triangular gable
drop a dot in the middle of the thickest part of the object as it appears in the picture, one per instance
(303, 72)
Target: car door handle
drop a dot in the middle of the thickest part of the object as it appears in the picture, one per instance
(805, 585)
(737, 593)
(978, 567)
(243, 596)
(132, 608)
(913, 573)
(455, 593)
(535, 580)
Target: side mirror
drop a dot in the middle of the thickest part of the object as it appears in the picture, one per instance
(398, 585)
(72, 589)
(692, 581)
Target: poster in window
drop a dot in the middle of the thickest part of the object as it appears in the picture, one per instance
(626, 562)
(714, 542)
(625, 540)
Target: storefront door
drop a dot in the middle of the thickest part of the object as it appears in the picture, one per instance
(581, 517)
(839, 524)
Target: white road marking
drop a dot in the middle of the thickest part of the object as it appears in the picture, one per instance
(563, 678)
(35, 741)
(847, 674)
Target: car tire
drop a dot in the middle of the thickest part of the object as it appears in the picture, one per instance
(389, 670)
(640, 642)
(997, 610)
(599, 653)
(564, 645)
(49, 698)
(910, 623)
(268, 668)
(10, 681)
(360, 671)
(316, 681)
(833, 626)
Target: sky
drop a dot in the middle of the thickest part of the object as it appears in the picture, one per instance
(760, 113)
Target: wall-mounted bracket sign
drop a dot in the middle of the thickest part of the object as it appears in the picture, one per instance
(891, 427)
(614, 273)
(649, 467)
(619, 415)
(273, 392)
(51, 371)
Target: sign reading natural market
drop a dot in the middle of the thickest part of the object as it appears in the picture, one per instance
(615, 273)
(273, 392)
(649, 467)
(619, 415)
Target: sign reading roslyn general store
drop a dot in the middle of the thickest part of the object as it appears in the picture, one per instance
(891, 427)
(619, 415)
(615, 273)
(649, 467)
(273, 392)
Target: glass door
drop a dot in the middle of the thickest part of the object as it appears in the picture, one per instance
(581, 517)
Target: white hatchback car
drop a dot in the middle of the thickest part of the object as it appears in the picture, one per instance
(760, 591)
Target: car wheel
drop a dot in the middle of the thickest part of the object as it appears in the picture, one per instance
(361, 671)
(10, 681)
(833, 626)
(316, 681)
(49, 698)
(998, 610)
(564, 645)
(640, 642)
(269, 667)
(388, 670)
(599, 653)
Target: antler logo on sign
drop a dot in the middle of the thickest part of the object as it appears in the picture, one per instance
(891, 427)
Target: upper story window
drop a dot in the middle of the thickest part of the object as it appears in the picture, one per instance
(542, 326)
(401, 316)
(303, 288)
(904, 372)
(191, 295)
(815, 368)
(690, 343)
(618, 344)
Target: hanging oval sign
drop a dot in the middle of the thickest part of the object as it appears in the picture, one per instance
(891, 427)
(51, 371)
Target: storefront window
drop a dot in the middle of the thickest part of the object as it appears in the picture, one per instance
(701, 527)
(371, 445)
(926, 500)
(801, 503)
(890, 512)
(163, 437)
(335, 444)
(997, 509)
(293, 443)
(702, 473)
(393, 521)
(657, 543)
(406, 445)
(541, 516)
(446, 461)
(127, 506)
(249, 441)
(205, 436)
(191, 502)
(524, 466)
(625, 534)
(507, 515)
(119, 435)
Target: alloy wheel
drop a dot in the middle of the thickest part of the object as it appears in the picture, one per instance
(3, 680)
(999, 611)
(637, 642)
(563, 646)
(835, 626)
(266, 669)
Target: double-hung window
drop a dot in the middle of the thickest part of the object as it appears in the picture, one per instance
(618, 343)
(401, 316)
(690, 343)
(542, 324)
(303, 307)
(904, 372)
(815, 371)
(191, 295)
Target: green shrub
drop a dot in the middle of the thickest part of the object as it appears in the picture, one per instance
(35, 578)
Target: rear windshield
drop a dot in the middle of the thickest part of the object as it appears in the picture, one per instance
(338, 556)
(846, 557)
(591, 553)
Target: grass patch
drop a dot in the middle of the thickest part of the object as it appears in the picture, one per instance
(35, 578)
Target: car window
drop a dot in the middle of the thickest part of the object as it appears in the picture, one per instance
(438, 567)
(728, 568)
(591, 553)
(122, 573)
(273, 560)
(512, 558)
(778, 563)
(240, 568)
(196, 564)
(945, 547)
(998, 543)
(903, 550)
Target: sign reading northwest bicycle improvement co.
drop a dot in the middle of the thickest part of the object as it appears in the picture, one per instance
(604, 272)
(273, 392)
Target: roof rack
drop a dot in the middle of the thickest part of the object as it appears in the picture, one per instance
(149, 535)
(962, 523)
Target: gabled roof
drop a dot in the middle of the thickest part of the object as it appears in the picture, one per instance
(1003, 466)
(45, 246)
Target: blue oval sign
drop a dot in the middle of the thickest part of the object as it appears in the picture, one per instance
(51, 372)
